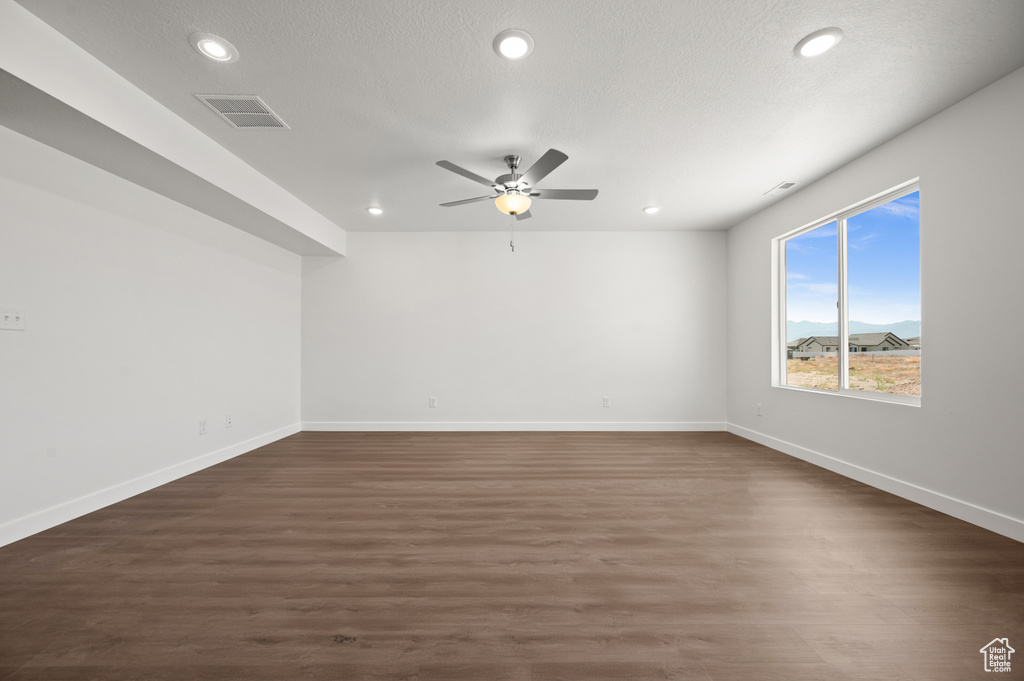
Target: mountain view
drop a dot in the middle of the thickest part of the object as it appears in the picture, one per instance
(905, 329)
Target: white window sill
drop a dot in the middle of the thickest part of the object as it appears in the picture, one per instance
(905, 400)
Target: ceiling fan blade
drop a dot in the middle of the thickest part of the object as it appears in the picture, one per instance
(447, 165)
(570, 194)
(522, 216)
(459, 203)
(551, 159)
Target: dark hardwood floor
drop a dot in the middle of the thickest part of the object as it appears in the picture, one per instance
(510, 556)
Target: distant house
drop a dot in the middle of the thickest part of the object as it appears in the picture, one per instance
(817, 344)
(877, 342)
(915, 343)
(859, 342)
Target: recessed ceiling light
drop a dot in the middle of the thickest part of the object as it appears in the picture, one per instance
(651, 210)
(214, 47)
(818, 42)
(374, 210)
(513, 44)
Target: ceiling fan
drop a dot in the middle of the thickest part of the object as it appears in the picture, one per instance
(513, 193)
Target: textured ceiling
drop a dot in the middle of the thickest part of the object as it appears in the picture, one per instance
(699, 106)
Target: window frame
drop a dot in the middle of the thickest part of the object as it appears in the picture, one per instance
(779, 291)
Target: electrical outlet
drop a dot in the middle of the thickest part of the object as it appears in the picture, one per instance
(12, 319)
(606, 401)
(759, 409)
(229, 421)
(202, 427)
(432, 401)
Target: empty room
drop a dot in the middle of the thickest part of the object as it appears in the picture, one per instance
(511, 342)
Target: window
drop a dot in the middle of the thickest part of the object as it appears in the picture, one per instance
(848, 278)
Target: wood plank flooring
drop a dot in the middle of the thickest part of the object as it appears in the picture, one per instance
(510, 557)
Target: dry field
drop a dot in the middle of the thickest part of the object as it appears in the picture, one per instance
(894, 375)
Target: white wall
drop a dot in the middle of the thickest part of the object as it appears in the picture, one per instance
(143, 318)
(526, 340)
(961, 451)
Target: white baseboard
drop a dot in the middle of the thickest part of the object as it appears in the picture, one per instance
(31, 524)
(405, 426)
(26, 526)
(958, 508)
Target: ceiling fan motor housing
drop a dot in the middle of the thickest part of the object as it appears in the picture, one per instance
(510, 181)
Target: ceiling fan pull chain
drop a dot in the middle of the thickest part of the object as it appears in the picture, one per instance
(512, 242)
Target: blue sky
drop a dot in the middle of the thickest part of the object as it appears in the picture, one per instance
(883, 267)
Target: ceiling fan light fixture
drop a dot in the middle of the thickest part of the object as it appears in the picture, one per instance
(214, 47)
(818, 42)
(513, 44)
(513, 203)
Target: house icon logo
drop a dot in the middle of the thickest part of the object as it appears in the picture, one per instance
(997, 654)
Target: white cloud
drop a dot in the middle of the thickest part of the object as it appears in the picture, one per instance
(812, 311)
(883, 312)
(795, 275)
(822, 289)
(883, 309)
(906, 207)
(861, 242)
(812, 301)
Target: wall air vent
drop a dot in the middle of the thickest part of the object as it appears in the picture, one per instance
(779, 188)
(243, 111)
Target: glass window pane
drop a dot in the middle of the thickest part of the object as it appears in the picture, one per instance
(812, 318)
(884, 294)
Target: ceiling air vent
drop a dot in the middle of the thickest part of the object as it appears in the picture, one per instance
(779, 188)
(243, 111)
